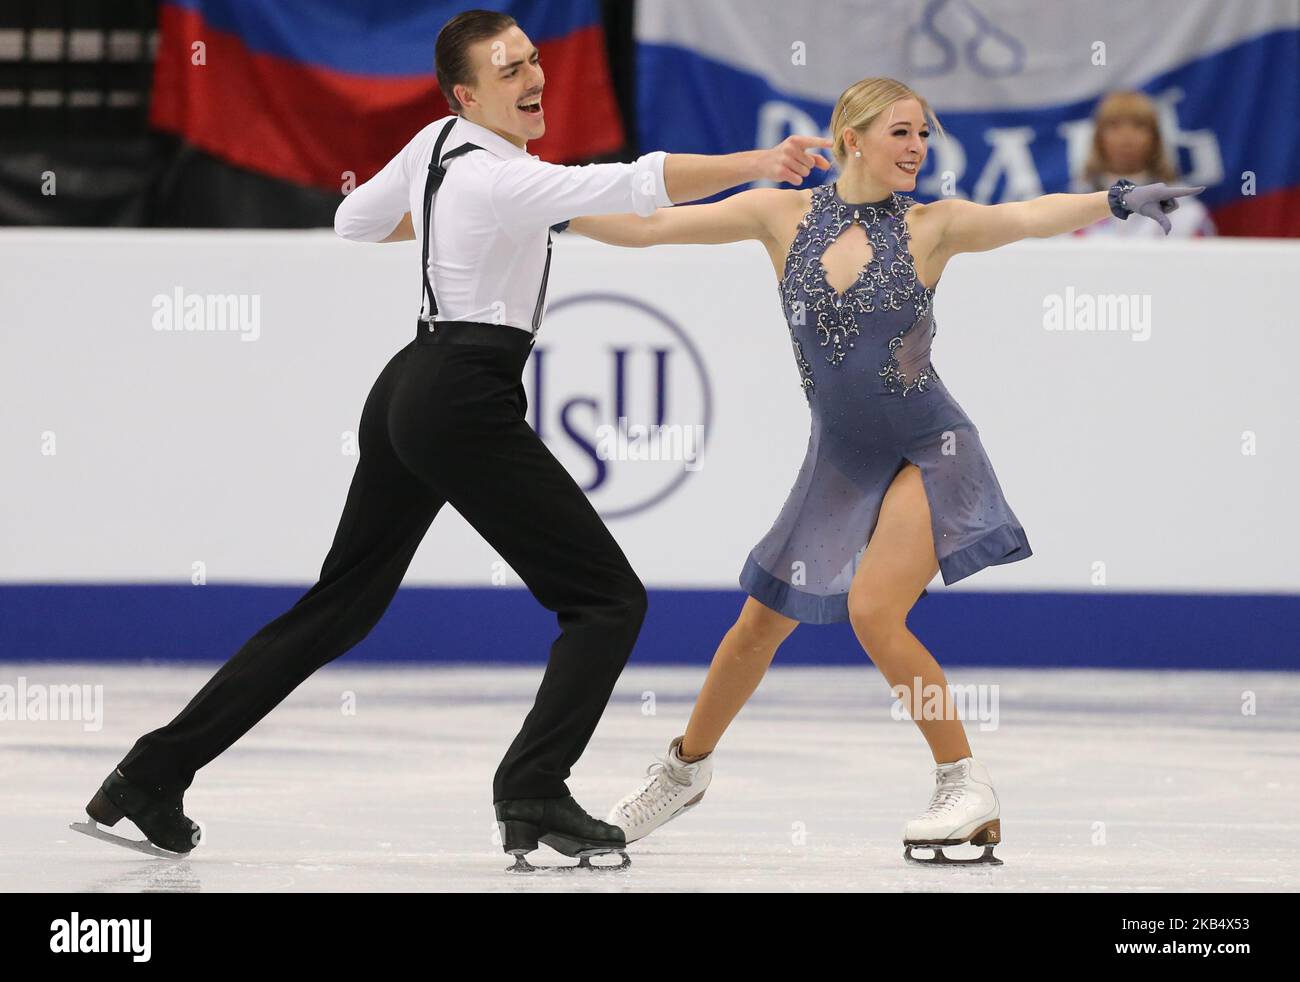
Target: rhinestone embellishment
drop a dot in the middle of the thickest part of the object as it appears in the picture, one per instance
(887, 282)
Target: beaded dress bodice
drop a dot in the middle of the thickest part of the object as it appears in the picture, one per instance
(874, 337)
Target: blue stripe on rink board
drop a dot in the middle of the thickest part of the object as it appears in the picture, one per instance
(134, 623)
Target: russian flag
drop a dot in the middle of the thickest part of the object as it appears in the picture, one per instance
(313, 92)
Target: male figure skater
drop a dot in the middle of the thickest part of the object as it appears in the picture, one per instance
(444, 423)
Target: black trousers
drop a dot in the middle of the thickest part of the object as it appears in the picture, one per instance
(444, 422)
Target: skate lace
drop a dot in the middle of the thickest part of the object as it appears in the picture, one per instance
(949, 790)
(662, 781)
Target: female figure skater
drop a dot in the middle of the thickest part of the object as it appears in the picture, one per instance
(895, 485)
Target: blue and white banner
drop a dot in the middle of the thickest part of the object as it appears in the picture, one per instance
(1014, 83)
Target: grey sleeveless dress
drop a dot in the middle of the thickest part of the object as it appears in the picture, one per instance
(876, 402)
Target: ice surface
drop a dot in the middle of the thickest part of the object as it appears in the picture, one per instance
(1109, 781)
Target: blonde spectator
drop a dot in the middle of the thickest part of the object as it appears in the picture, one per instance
(1127, 143)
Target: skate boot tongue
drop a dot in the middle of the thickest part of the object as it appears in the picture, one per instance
(675, 754)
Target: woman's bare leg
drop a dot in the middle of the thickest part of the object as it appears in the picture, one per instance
(738, 666)
(899, 562)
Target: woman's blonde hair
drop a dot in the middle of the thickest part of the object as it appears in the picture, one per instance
(860, 104)
(1139, 108)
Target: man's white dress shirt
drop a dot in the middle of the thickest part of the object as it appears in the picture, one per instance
(492, 215)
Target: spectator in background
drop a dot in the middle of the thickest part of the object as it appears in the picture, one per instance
(1126, 143)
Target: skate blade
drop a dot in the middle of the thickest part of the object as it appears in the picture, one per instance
(584, 864)
(986, 858)
(139, 845)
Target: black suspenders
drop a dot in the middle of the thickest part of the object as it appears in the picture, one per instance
(431, 184)
(438, 171)
(541, 294)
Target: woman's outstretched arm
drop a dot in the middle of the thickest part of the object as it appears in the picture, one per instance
(734, 219)
(963, 226)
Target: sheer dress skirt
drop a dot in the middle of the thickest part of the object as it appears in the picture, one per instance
(804, 565)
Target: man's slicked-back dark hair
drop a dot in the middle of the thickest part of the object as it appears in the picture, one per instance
(451, 51)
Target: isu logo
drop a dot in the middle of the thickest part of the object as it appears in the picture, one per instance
(621, 397)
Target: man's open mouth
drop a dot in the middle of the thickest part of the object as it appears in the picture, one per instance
(533, 106)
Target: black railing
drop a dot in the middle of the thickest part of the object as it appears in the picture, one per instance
(76, 67)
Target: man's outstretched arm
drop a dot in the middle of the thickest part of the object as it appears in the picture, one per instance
(691, 176)
(531, 191)
(528, 193)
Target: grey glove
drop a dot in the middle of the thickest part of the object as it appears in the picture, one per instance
(1154, 201)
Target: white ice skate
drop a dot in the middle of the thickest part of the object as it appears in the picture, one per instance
(964, 809)
(671, 788)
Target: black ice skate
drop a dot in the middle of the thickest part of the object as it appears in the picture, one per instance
(561, 824)
(155, 811)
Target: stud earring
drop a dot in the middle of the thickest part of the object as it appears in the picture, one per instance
(857, 153)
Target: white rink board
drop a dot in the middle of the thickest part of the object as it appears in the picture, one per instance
(183, 447)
